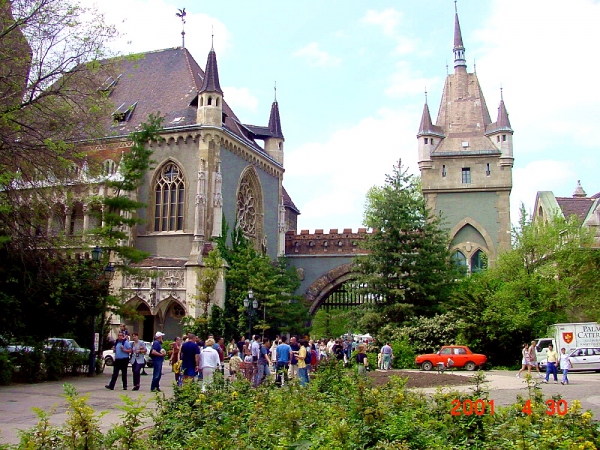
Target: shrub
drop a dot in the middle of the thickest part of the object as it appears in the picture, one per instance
(404, 354)
(6, 368)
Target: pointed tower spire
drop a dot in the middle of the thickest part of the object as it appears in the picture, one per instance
(459, 48)
(502, 122)
(274, 120)
(211, 74)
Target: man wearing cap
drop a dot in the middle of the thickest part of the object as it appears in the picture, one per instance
(158, 357)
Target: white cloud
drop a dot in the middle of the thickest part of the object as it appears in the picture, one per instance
(133, 18)
(240, 99)
(334, 175)
(405, 81)
(317, 57)
(387, 19)
(542, 52)
(542, 175)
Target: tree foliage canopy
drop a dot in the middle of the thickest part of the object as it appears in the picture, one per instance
(408, 265)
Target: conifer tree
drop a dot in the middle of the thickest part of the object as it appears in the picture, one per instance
(408, 268)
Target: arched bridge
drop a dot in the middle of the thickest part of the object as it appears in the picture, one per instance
(324, 261)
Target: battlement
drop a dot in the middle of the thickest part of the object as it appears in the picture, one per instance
(320, 243)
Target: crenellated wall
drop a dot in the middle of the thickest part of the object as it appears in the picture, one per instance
(333, 243)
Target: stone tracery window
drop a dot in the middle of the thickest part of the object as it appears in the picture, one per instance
(249, 206)
(169, 192)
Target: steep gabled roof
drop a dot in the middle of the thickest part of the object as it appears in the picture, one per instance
(166, 82)
(575, 205)
(287, 201)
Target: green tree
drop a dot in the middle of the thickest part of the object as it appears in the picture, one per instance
(50, 97)
(549, 276)
(273, 284)
(408, 265)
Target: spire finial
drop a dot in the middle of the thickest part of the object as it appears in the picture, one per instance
(275, 88)
(455, 7)
(212, 37)
(447, 73)
(501, 93)
(181, 14)
(474, 65)
(425, 94)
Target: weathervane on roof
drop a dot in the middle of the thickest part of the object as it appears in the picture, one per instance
(181, 14)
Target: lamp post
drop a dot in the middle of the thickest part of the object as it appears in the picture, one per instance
(251, 305)
(107, 274)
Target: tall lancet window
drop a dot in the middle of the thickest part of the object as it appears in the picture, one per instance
(250, 210)
(169, 189)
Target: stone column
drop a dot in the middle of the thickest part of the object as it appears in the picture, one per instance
(217, 202)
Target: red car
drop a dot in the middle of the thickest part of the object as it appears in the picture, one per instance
(460, 355)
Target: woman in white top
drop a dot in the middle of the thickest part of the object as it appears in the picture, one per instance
(565, 365)
(525, 360)
(210, 361)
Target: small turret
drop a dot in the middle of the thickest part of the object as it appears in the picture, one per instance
(579, 192)
(210, 96)
(500, 132)
(274, 143)
(429, 136)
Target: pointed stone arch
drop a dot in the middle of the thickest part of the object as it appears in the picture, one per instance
(489, 242)
(324, 285)
(250, 209)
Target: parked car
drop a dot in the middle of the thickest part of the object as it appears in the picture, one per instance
(460, 356)
(5, 346)
(109, 355)
(582, 358)
(68, 345)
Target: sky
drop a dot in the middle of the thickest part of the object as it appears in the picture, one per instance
(351, 79)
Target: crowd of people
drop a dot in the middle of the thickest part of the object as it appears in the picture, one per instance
(255, 359)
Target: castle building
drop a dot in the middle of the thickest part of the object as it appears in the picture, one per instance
(466, 163)
(209, 168)
(586, 209)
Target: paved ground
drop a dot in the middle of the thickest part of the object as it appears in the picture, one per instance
(16, 401)
(504, 388)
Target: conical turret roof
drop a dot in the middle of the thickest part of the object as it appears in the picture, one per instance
(427, 127)
(458, 42)
(275, 121)
(210, 83)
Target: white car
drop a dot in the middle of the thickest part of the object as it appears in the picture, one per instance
(67, 344)
(582, 358)
(109, 355)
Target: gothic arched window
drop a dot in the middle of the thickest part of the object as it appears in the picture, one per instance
(169, 189)
(460, 261)
(250, 207)
(478, 261)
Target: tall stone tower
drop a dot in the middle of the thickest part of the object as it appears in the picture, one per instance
(466, 164)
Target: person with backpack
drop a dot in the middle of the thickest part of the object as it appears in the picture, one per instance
(304, 358)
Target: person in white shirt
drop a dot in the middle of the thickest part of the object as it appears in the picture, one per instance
(210, 361)
(565, 365)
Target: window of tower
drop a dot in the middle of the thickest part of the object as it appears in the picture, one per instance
(503, 138)
(444, 170)
(216, 102)
(209, 101)
(498, 138)
(201, 101)
(426, 141)
(466, 175)
(487, 169)
(432, 141)
(478, 261)
(460, 261)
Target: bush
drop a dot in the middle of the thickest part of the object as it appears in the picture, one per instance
(404, 354)
(6, 368)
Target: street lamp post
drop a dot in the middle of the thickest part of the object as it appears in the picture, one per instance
(251, 305)
(107, 274)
